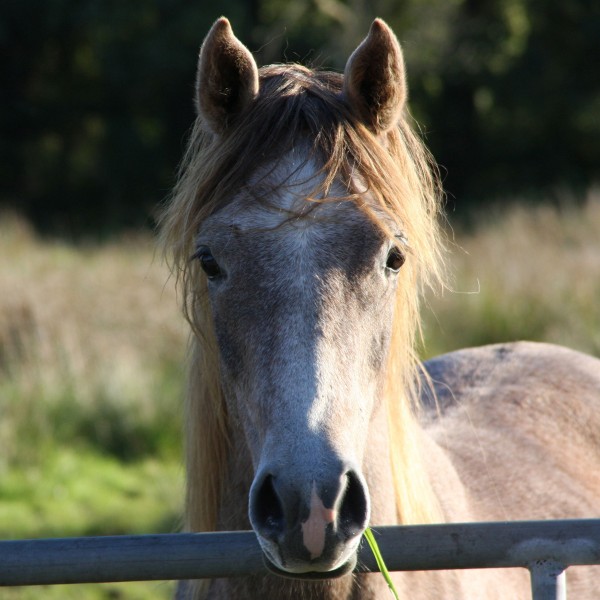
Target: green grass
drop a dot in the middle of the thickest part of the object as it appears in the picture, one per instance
(521, 273)
(154, 590)
(91, 375)
(370, 537)
(74, 492)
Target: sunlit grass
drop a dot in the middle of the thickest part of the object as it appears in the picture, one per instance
(144, 590)
(370, 537)
(522, 273)
(91, 348)
(91, 375)
(73, 492)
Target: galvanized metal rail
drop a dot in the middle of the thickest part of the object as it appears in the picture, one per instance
(546, 548)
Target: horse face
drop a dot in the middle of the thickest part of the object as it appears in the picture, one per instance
(302, 308)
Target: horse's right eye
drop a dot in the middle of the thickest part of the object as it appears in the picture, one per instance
(208, 263)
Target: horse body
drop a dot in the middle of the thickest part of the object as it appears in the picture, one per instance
(520, 422)
(308, 209)
(519, 425)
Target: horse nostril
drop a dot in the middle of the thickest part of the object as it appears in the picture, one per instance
(266, 510)
(353, 511)
(278, 511)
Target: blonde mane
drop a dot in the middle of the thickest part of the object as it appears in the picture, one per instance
(298, 105)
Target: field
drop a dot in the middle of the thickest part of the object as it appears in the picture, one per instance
(92, 351)
(91, 363)
(521, 273)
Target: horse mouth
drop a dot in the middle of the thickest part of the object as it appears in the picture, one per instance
(340, 571)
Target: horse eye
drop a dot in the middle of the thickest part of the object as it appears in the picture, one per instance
(208, 263)
(395, 259)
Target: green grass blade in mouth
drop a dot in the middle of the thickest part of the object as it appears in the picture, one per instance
(368, 534)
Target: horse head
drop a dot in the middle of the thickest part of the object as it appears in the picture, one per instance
(302, 250)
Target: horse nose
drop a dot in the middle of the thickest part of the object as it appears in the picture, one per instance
(354, 509)
(323, 512)
(266, 509)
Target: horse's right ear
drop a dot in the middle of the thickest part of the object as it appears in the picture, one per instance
(227, 80)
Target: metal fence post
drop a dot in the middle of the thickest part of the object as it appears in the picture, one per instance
(548, 580)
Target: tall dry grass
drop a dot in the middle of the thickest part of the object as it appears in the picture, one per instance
(91, 344)
(522, 272)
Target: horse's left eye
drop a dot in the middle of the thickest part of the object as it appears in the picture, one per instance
(395, 259)
(208, 262)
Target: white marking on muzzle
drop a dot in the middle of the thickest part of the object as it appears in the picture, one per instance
(313, 529)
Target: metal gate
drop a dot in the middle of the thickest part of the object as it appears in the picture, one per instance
(546, 548)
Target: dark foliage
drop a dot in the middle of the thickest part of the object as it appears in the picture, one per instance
(96, 97)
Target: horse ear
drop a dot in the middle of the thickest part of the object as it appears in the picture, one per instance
(227, 79)
(374, 79)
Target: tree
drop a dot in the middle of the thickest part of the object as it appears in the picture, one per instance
(97, 97)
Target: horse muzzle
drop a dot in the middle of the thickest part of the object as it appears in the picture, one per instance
(312, 530)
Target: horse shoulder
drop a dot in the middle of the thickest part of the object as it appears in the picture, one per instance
(516, 421)
(528, 377)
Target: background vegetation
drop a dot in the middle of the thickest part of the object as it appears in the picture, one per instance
(97, 96)
(96, 101)
(91, 369)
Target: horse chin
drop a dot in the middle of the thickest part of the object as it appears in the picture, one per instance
(336, 561)
(339, 571)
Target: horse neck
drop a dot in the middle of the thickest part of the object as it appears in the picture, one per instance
(440, 483)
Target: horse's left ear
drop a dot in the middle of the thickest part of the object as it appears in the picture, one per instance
(374, 79)
(227, 80)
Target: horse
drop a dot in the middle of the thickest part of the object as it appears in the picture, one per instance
(303, 230)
